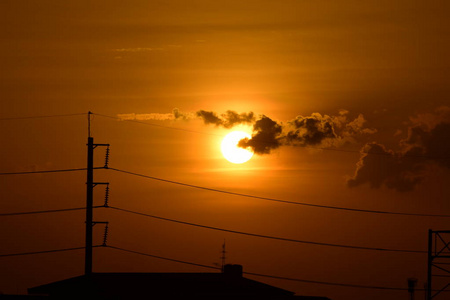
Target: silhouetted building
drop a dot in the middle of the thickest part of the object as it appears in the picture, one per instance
(22, 297)
(227, 285)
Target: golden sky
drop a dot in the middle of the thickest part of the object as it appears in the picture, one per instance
(335, 77)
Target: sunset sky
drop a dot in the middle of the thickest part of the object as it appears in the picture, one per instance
(347, 103)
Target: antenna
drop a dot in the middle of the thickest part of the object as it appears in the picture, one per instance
(223, 256)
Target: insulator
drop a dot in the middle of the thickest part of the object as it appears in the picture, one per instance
(107, 157)
(106, 195)
(105, 235)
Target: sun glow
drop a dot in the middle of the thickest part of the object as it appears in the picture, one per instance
(231, 151)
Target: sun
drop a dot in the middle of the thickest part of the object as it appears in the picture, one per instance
(231, 151)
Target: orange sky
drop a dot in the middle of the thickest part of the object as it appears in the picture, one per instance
(286, 60)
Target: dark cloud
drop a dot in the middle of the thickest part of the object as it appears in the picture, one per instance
(314, 130)
(431, 140)
(378, 166)
(178, 115)
(428, 141)
(265, 138)
(227, 120)
(231, 118)
(310, 130)
(209, 117)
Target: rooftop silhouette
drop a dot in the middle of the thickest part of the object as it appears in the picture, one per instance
(227, 285)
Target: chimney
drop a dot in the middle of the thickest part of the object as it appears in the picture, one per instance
(232, 271)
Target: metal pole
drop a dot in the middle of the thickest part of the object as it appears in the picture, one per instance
(430, 262)
(89, 206)
(411, 287)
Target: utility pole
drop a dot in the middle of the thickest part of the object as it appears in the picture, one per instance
(430, 263)
(412, 282)
(89, 206)
(90, 184)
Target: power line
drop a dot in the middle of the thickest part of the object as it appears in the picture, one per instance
(42, 252)
(48, 171)
(206, 266)
(44, 211)
(163, 258)
(279, 200)
(268, 236)
(41, 117)
(264, 275)
(330, 283)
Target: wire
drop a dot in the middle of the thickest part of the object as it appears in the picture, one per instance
(41, 117)
(268, 236)
(48, 171)
(279, 200)
(209, 267)
(44, 211)
(264, 275)
(330, 283)
(163, 258)
(45, 251)
(40, 212)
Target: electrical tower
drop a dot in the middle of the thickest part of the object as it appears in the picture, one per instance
(438, 279)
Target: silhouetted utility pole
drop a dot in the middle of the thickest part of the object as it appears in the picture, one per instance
(412, 282)
(89, 206)
(90, 184)
(438, 263)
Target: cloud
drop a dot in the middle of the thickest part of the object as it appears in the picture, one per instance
(134, 49)
(144, 117)
(311, 130)
(429, 136)
(315, 130)
(427, 142)
(378, 166)
(265, 138)
(175, 115)
(227, 120)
